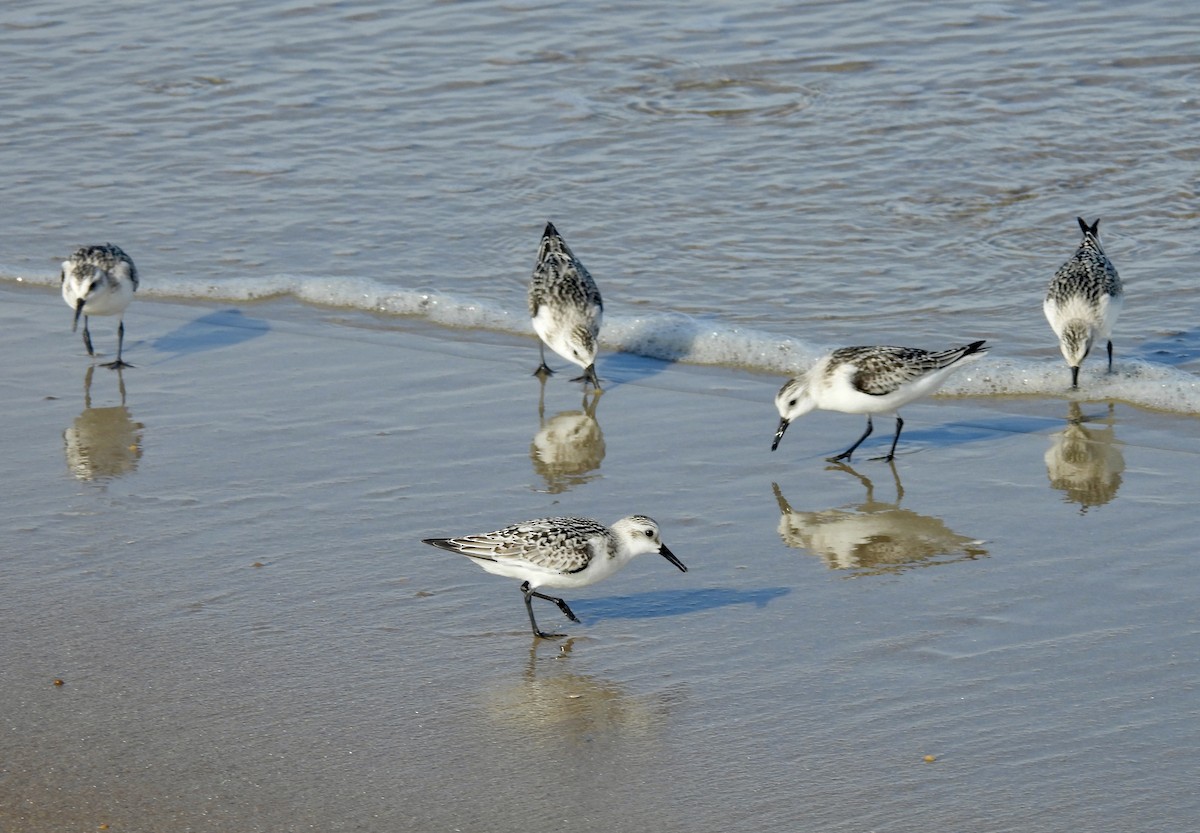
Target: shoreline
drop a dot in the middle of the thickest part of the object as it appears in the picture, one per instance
(252, 636)
(676, 338)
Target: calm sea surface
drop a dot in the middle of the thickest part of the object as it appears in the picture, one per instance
(831, 172)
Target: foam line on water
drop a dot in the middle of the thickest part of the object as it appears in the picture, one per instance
(673, 336)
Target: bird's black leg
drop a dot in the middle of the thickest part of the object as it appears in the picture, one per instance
(845, 455)
(529, 594)
(1110, 356)
(1075, 378)
(118, 364)
(561, 604)
(529, 609)
(543, 369)
(895, 439)
(589, 375)
(87, 337)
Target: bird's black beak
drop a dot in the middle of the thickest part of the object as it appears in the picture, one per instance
(670, 556)
(783, 424)
(78, 310)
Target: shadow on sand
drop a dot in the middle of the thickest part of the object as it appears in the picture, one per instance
(659, 603)
(216, 330)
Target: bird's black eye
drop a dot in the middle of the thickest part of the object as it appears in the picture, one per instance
(791, 403)
(649, 533)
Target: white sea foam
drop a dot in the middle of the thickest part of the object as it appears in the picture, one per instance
(672, 336)
(1135, 381)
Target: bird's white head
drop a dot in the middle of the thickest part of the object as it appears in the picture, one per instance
(637, 535)
(582, 345)
(792, 401)
(1076, 342)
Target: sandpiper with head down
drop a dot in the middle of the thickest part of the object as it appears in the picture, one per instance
(1083, 300)
(565, 306)
(868, 380)
(99, 280)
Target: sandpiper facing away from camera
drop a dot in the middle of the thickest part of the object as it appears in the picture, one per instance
(566, 307)
(1084, 300)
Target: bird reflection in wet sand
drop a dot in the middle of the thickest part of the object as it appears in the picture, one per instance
(874, 537)
(103, 442)
(1085, 464)
(568, 448)
(574, 708)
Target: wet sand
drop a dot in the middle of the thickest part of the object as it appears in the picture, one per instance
(220, 560)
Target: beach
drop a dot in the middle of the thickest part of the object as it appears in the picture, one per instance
(225, 573)
(218, 612)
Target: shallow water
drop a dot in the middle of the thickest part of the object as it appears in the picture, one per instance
(224, 569)
(747, 186)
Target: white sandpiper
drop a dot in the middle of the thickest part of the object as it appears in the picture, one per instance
(565, 306)
(869, 380)
(1083, 300)
(99, 280)
(559, 552)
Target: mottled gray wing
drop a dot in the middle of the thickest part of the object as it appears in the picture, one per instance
(555, 544)
(1112, 281)
(1088, 274)
(560, 276)
(881, 370)
(544, 272)
(133, 274)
